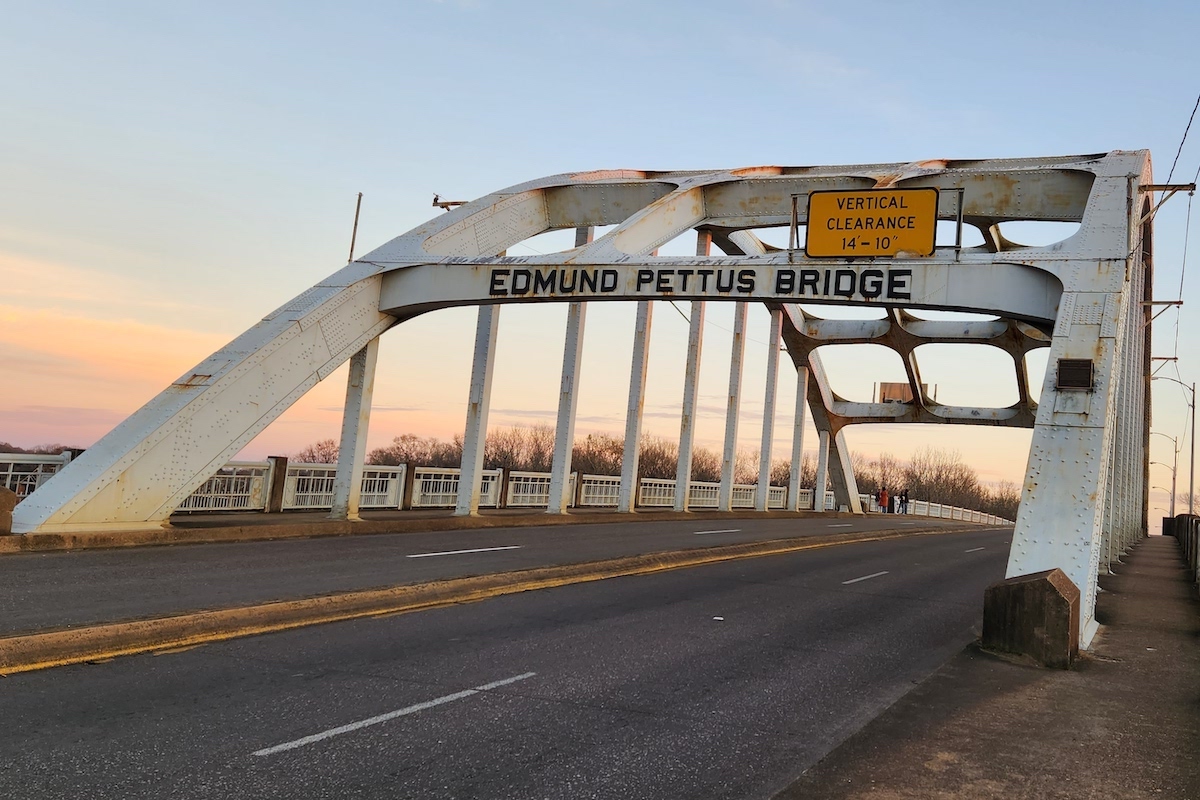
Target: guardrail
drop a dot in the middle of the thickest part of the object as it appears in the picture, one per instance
(24, 473)
(237, 486)
(1186, 530)
(246, 486)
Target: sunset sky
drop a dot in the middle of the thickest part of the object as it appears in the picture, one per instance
(174, 171)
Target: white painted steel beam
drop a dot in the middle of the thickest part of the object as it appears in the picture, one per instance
(691, 388)
(627, 497)
(768, 426)
(568, 399)
(470, 479)
(822, 479)
(356, 419)
(733, 408)
(798, 438)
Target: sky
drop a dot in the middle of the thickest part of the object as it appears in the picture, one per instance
(171, 172)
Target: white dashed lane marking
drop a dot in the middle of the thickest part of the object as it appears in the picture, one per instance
(460, 552)
(864, 578)
(365, 723)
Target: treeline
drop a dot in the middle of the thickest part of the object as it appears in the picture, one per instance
(37, 449)
(939, 476)
(532, 449)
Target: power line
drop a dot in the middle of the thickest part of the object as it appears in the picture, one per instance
(1184, 139)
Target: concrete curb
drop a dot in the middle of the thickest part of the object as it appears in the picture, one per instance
(41, 650)
(255, 532)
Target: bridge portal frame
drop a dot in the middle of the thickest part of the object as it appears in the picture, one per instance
(1081, 495)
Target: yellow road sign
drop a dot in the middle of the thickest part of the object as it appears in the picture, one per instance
(874, 222)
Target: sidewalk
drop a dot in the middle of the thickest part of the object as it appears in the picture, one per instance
(1124, 724)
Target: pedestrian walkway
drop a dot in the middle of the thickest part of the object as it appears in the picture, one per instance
(1124, 724)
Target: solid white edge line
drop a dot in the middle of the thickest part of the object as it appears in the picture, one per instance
(725, 530)
(840, 525)
(354, 726)
(460, 552)
(865, 578)
(974, 549)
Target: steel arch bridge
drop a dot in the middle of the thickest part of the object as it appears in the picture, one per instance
(1084, 499)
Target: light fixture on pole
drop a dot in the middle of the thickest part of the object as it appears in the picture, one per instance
(1192, 460)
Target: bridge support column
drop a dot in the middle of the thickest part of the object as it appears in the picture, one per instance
(762, 495)
(733, 407)
(356, 418)
(798, 438)
(822, 471)
(470, 479)
(1083, 435)
(627, 498)
(691, 388)
(568, 399)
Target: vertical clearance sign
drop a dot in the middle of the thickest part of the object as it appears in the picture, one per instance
(874, 222)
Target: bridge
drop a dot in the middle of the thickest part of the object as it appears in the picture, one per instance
(535, 689)
(1086, 299)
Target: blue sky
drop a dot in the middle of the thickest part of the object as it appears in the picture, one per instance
(173, 171)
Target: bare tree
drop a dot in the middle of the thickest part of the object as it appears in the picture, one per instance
(864, 473)
(322, 452)
(505, 448)
(706, 465)
(781, 471)
(941, 477)
(37, 449)
(539, 448)
(658, 457)
(745, 466)
(598, 454)
(888, 472)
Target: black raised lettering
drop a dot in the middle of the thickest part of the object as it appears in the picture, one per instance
(522, 280)
(608, 280)
(870, 284)
(825, 289)
(746, 281)
(722, 287)
(785, 281)
(644, 278)
(897, 284)
(562, 281)
(543, 282)
(664, 280)
(588, 280)
(808, 280)
(844, 281)
(497, 286)
(685, 274)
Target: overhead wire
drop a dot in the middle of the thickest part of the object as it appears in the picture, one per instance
(1184, 139)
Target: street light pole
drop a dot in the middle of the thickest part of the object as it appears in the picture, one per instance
(1192, 462)
(1174, 469)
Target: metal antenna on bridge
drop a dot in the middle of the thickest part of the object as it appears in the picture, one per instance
(354, 232)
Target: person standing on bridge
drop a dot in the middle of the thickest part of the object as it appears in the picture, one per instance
(883, 500)
(904, 501)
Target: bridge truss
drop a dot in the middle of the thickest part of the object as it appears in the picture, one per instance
(1084, 498)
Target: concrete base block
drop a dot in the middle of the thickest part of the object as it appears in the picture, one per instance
(1036, 616)
(8, 501)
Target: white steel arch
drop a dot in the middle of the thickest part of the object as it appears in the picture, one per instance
(1080, 297)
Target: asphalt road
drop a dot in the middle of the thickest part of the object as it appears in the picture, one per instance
(723, 681)
(65, 589)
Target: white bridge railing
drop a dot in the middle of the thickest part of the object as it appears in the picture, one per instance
(24, 473)
(246, 486)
